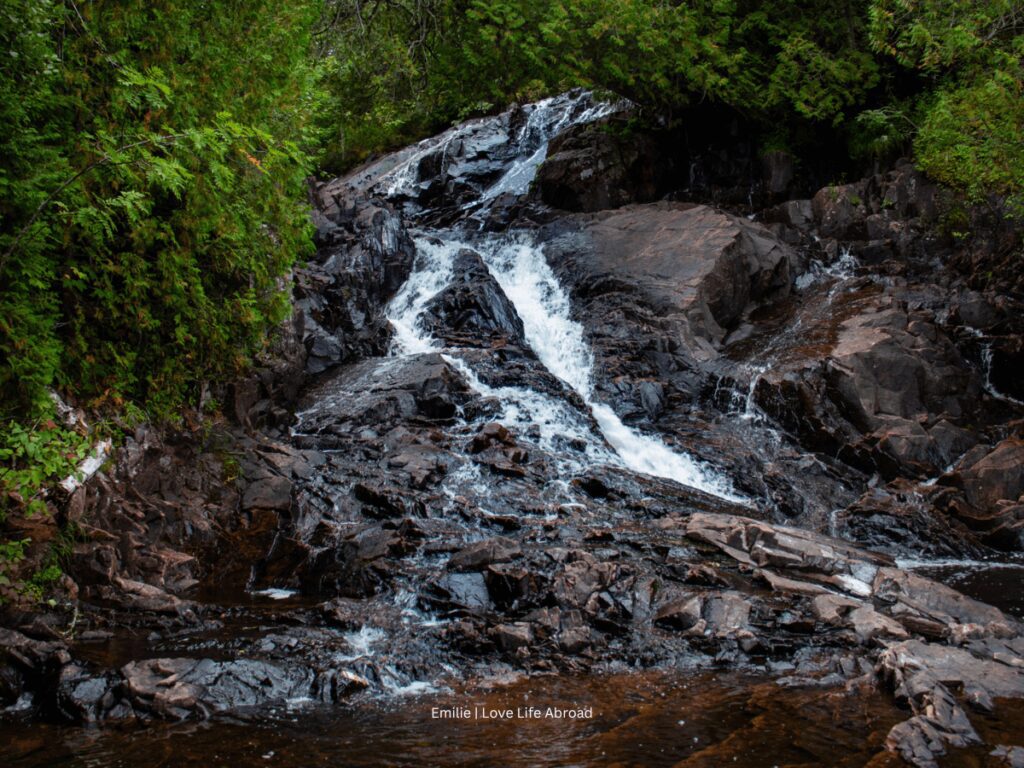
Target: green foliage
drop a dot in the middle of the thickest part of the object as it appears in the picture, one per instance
(396, 69)
(11, 553)
(882, 132)
(31, 164)
(153, 199)
(972, 133)
(31, 459)
(152, 188)
(973, 120)
(936, 35)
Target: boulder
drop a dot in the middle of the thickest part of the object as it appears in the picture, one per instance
(841, 211)
(800, 554)
(365, 255)
(690, 262)
(268, 493)
(997, 475)
(380, 393)
(602, 165)
(181, 688)
(878, 385)
(990, 501)
(922, 674)
(472, 310)
(679, 612)
(479, 555)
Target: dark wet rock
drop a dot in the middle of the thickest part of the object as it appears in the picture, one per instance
(338, 684)
(381, 392)
(794, 214)
(345, 613)
(727, 614)
(868, 624)
(603, 165)
(866, 392)
(922, 675)
(460, 591)
(364, 257)
(901, 517)
(992, 484)
(472, 310)
(189, 688)
(880, 217)
(1008, 757)
(680, 612)
(139, 595)
(262, 399)
(27, 663)
(491, 435)
(479, 555)
(841, 211)
(876, 357)
(268, 493)
(85, 697)
(384, 501)
(512, 637)
(351, 563)
(688, 262)
(817, 558)
(924, 606)
(157, 524)
(831, 608)
(582, 579)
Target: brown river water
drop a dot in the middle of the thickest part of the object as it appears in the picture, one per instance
(691, 719)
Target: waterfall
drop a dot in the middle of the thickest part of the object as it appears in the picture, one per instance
(519, 266)
(987, 359)
(558, 341)
(527, 145)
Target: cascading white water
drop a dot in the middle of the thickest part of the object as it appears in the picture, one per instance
(547, 118)
(558, 341)
(527, 280)
(431, 273)
(986, 368)
(520, 268)
(544, 119)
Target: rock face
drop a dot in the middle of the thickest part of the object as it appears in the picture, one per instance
(687, 262)
(884, 385)
(879, 217)
(473, 311)
(365, 255)
(992, 492)
(378, 516)
(596, 166)
(657, 288)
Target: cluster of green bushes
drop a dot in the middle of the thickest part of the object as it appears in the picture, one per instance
(152, 168)
(154, 152)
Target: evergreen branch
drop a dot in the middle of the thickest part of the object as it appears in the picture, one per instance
(52, 197)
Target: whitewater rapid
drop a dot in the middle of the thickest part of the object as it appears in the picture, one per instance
(519, 266)
(521, 269)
